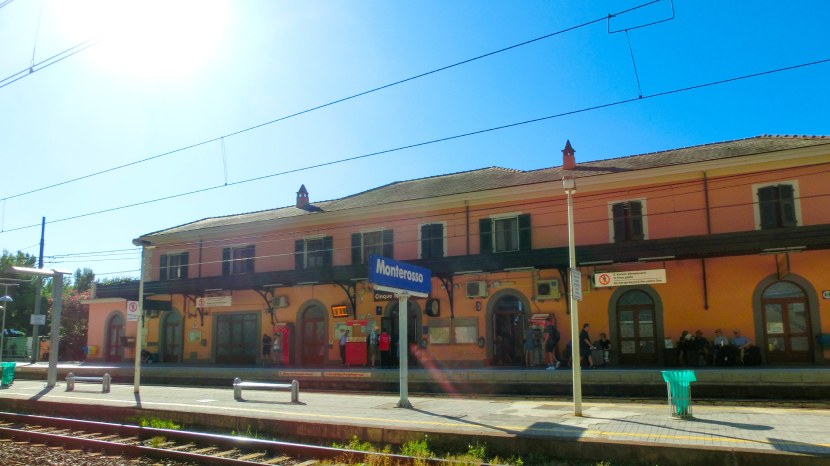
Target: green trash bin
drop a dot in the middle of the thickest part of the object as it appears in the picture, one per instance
(680, 392)
(7, 376)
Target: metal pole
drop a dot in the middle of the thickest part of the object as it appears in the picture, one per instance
(57, 300)
(577, 370)
(3, 332)
(403, 349)
(140, 326)
(38, 284)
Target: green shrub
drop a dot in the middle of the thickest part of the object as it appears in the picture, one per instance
(155, 423)
(417, 449)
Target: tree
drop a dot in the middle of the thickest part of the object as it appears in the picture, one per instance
(74, 325)
(83, 279)
(18, 311)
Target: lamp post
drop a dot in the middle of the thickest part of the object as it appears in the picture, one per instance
(140, 327)
(570, 189)
(57, 301)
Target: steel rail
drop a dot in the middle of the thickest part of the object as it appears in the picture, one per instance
(223, 441)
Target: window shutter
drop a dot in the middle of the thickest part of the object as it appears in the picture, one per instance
(226, 261)
(328, 251)
(436, 249)
(618, 211)
(426, 241)
(250, 254)
(635, 217)
(356, 240)
(485, 235)
(787, 200)
(524, 232)
(163, 267)
(299, 254)
(766, 206)
(388, 244)
(183, 260)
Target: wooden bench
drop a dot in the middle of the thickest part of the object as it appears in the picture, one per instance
(105, 382)
(238, 385)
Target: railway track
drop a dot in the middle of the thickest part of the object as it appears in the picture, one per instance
(195, 447)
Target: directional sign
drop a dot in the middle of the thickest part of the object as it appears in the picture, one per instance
(38, 319)
(214, 301)
(635, 277)
(132, 311)
(399, 275)
(576, 284)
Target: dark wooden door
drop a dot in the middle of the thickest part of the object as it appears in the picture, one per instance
(114, 333)
(636, 329)
(236, 339)
(787, 325)
(171, 344)
(314, 341)
(508, 338)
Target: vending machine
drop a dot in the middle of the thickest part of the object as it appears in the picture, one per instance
(283, 343)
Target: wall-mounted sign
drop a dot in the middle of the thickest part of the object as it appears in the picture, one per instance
(361, 322)
(379, 310)
(38, 319)
(538, 319)
(384, 296)
(194, 335)
(214, 301)
(132, 311)
(576, 284)
(635, 277)
(775, 327)
(393, 274)
(339, 311)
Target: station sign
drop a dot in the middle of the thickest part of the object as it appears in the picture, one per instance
(360, 322)
(576, 284)
(132, 311)
(38, 319)
(634, 277)
(214, 301)
(384, 296)
(399, 275)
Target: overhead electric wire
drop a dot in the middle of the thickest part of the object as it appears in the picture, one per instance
(4, 3)
(603, 18)
(37, 66)
(458, 136)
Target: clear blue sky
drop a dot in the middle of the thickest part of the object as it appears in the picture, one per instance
(169, 77)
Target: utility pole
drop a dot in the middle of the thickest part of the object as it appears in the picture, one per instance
(140, 326)
(570, 189)
(38, 284)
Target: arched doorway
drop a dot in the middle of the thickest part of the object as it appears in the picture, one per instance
(115, 330)
(636, 333)
(509, 323)
(787, 324)
(314, 336)
(390, 324)
(170, 328)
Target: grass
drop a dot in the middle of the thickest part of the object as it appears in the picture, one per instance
(155, 423)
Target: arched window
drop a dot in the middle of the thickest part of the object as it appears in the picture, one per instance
(636, 328)
(787, 329)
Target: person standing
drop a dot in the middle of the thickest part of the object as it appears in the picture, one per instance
(529, 344)
(585, 346)
(374, 342)
(551, 340)
(385, 339)
(343, 339)
(277, 343)
(266, 348)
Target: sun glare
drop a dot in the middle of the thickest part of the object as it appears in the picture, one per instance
(146, 38)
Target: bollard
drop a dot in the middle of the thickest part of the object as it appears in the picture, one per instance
(106, 383)
(295, 391)
(237, 390)
(70, 382)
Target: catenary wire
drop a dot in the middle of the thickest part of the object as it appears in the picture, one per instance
(37, 67)
(336, 101)
(458, 136)
(4, 3)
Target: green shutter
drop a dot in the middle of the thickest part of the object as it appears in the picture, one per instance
(183, 264)
(328, 251)
(226, 261)
(525, 243)
(787, 202)
(437, 246)
(426, 243)
(635, 219)
(388, 244)
(299, 254)
(485, 235)
(163, 267)
(250, 254)
(356, 240)
(618, 212)
(766, 206)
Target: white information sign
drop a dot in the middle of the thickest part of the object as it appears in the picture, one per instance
(635, 277)
(214, 301)
(775, 327)
(132, 311)
(38, 319)
(576, 284)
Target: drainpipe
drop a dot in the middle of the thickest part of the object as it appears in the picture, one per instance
(708, 231)
(467, 228)
(200, 257)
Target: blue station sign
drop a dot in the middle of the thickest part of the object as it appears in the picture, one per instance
(394, 274)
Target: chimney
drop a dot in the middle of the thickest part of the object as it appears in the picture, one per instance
(568, 160)
(302, 197)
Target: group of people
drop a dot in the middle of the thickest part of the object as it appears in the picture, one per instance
(272, 346)
(551, 338)
(697, 346)
(377, 341)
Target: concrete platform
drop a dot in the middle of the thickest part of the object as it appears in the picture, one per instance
(608, 431)
(738, 383)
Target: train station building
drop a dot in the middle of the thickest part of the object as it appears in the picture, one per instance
(732, 236)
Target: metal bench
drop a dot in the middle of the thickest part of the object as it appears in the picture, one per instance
(105, 381)
(238, 385)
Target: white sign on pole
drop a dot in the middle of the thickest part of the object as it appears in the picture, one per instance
(214, 301)
(576, 284)
(38, 319)
(132, 311)
(635, 277)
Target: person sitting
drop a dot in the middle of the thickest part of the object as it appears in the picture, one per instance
(702, 347)
(145, 356)
(605, 344)
(742, 343)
